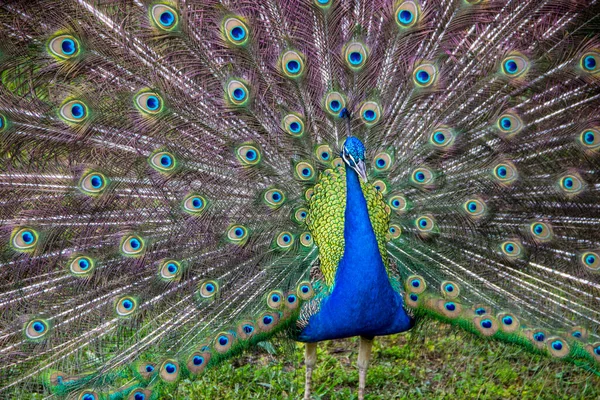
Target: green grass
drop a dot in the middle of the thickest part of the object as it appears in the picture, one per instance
(438, 363)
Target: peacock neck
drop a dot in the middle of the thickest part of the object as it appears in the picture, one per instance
(362, 259)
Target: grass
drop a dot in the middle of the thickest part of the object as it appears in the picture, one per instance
(438, 363)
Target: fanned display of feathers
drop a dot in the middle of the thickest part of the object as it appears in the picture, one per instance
(158, 161)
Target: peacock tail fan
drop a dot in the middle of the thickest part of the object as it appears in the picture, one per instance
(170, 177)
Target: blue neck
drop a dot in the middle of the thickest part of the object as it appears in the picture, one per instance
(362, 301)
(361, 259)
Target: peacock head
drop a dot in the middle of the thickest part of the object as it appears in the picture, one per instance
(353, 154)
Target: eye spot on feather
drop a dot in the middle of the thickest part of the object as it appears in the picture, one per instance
(169, 270)
(486, 325)
(370, 113)
(223, 342)
(148, 102)
(508, 322)
(274, 299)
(37, 329)
(394, 232)
(140, 394)
(163, 161)
(589, 62)
(81, 266)
(293, 125)
(324, 153)
(511, 248)
(590, 139)
(93, 183)
(515, 65)
(237, 93)
(422, 176)
(571, 184)
(235, 31)
(194, 204)
(306, 239)
(24, 239)
(407, 14)
(450, 309)
(208, 289)
(398, 203)
(355, 55)
(248, 155)
(474, 207)
(273, 198)
(541, 231)
(442, 138)
(73, 111)
(237, 234)
(88, 395)
(267, 321)
(425, 75)
(505, 173)
(382, 161)
(125, 306)
(284, 240)
(591, 260)
(132, 246)
(509, 124)
(324, 4)
(304, 171)
(164, 17)
(415, 284)
(450, 289)
(292, 64)
(64, 47)
(334, 102)
(305, 290)
(380, 186)
(425, 224)
(169, 371)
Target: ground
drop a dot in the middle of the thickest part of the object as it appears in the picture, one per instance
(439, 364)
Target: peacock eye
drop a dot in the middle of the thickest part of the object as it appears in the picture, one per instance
(293, 125)
(356, 55)
(237, 234)
(509, 124)
(306, 239)
(590, 260)
(382, 161)
(589, 62)
(64, 47)
(236, 31)
(82, 266)
(169, 270)
(441, 138)
(24, 239)
(425, 224)
(474, 207)
(284, 240)
(398, 203)
(169, 371)
(162, 161)
(126, 306)
(323, 153)
(208, 289)
(305, 290)
(149, 103)
(334, 103)
(237, 93)
(370, 112)
(164, 17)
(425, 75)
(194, 204)
(305, 171)
(93, 183)
(407, 14)
(394, 232)
(292, 64)
(541, 231)
(37, 328)
(514, 65)
(422, 176)
(73, 111)
(248, 155)
(132, 245)
(505, 172)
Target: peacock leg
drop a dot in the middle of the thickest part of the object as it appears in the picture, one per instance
(364, 356)
(310, 359)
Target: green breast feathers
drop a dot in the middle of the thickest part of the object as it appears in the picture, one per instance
(326, 219)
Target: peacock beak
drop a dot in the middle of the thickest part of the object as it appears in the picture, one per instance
(361, 169)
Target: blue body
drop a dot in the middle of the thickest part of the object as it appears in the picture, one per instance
(363, 301)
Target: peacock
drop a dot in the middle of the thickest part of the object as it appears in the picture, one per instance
(181, 180)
